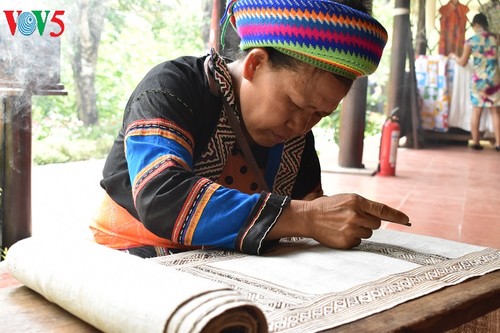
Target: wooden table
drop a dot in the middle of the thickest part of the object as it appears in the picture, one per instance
(23, 310)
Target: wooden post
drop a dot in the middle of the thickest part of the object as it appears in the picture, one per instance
(421, 38)
(400, 40)
(214, 36)
(352, 125)
(15, 168)
(231, 38)
(430, 14)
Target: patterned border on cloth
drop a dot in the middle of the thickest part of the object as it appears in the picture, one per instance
(288, 309)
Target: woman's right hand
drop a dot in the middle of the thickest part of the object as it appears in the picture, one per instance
(339, 221)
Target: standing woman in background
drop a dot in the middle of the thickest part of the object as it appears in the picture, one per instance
(485, 83)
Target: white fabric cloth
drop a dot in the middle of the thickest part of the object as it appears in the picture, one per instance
(460, 104)
(118, 292)
(304, 287)
(300, 286)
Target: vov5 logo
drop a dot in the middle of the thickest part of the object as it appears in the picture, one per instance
(27, 22)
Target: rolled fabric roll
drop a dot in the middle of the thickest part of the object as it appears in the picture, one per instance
(118, 292)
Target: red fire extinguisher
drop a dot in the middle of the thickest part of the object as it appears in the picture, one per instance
(389, 146)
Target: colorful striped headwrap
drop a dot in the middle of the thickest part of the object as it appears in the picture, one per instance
(323, 33)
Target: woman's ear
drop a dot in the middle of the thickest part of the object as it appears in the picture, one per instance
(255, 60)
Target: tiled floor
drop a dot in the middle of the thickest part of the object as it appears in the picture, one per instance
(448, 191)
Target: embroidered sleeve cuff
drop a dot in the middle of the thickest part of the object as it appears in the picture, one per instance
(262, 218)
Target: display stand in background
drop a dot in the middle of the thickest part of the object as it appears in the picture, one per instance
(445, 91)
(433, 88)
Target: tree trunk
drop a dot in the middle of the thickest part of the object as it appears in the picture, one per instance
(352, 125)
(207, 9)
(85, 42)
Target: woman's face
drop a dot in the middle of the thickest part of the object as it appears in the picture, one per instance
(280, 104)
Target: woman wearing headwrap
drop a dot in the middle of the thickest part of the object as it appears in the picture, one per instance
(179, 175)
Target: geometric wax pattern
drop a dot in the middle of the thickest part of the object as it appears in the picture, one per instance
(289, 309)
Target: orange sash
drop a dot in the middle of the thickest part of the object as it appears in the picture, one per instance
(116, 228)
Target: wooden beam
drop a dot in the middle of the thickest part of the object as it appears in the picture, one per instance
(400, 40)
(421, 39)
(15, 168)
(352, 125)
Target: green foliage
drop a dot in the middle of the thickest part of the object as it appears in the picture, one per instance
(58, 136)
(332, 123)
(382, 11)
(57, 149)
(374, 122)
(136, 36)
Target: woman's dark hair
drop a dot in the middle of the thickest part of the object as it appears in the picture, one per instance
(481, 20)
(279, 60)
(361, 5)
